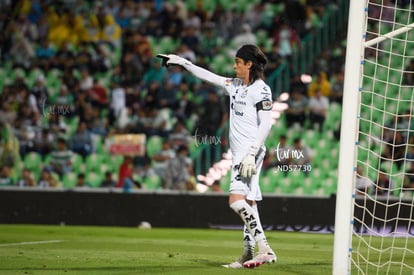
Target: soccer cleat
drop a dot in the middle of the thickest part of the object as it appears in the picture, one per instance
(240, 261)
(236, 264)
(259, 259)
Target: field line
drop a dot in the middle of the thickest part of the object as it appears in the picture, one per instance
(31, 243)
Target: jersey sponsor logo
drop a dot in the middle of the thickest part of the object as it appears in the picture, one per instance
(240, 102)
(237, 113)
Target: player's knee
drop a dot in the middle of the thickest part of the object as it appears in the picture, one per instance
(238, 205)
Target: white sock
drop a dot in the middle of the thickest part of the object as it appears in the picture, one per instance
(248, 240)
(252, 222)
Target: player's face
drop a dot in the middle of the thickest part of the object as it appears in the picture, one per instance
(242, 68)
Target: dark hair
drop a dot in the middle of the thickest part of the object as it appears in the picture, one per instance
(252, 53)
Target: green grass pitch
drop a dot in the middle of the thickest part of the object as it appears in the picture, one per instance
(25, 249)
(35, 249)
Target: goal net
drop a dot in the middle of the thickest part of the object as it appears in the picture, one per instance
(374, 227)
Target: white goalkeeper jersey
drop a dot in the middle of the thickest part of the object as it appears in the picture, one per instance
(245, 104)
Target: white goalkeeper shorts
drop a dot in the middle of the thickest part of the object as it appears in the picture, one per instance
(249, 188)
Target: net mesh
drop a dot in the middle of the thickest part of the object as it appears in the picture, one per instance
(383, 231)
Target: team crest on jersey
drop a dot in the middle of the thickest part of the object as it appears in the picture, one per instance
(267, 105)
(243, 94)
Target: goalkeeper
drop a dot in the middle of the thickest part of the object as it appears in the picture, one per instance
(250, 123)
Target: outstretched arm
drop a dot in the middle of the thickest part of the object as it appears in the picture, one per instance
(201, 73)
(265, 118)
(248, 165)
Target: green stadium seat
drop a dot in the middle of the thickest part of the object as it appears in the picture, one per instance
(94, 179)
(286, 186)
(77, 162)
(309, 186)
(267, 185)
(33, 162)
(69, 180)
(153, 182)
(297, 177)
(154, 145)
(93, 162)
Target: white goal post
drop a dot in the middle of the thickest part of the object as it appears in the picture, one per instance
(374, 226)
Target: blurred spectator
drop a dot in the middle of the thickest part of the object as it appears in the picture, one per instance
(98, 95)
(108, 180)
(64, 58)
(27, 179)
(409, 177)
(209, 41)
(286, 38)
(7, 113)
(160, 158)
(86, 81)
(297, 109)
(179, 136)
(320, 83)
(95, 123)
(146, 170)
(363, 185)
(22, 52)
(212, 115)
(111, 32)
(70, 80)
(44, 55)
(9, 147)
(184, 108)
(155, 73)
(101, 61)
(296, 84)
(117, 103)
(216, 188)
(44, 142)
(177, 174)
(337, 89)
(318, 109)
(300, 154)
(81, 140)
(189, 39)
(40, 91)
(64, 101)
(408, 78)
(296, 14)
(246, 36)
(61, 158)
(394, 149)
(125, 173)
(25, 134)
(81, 181)
(5, 176)
(274, 59)
(156, 121)
(383, 184)
(47, 179)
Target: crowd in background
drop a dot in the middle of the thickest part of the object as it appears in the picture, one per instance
(79, 71)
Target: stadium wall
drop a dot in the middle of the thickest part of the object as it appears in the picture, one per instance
(162, 209)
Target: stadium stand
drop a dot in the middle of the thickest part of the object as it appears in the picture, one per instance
(114, 43)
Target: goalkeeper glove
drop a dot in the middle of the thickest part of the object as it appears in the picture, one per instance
(247, 167)
(172, 59)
